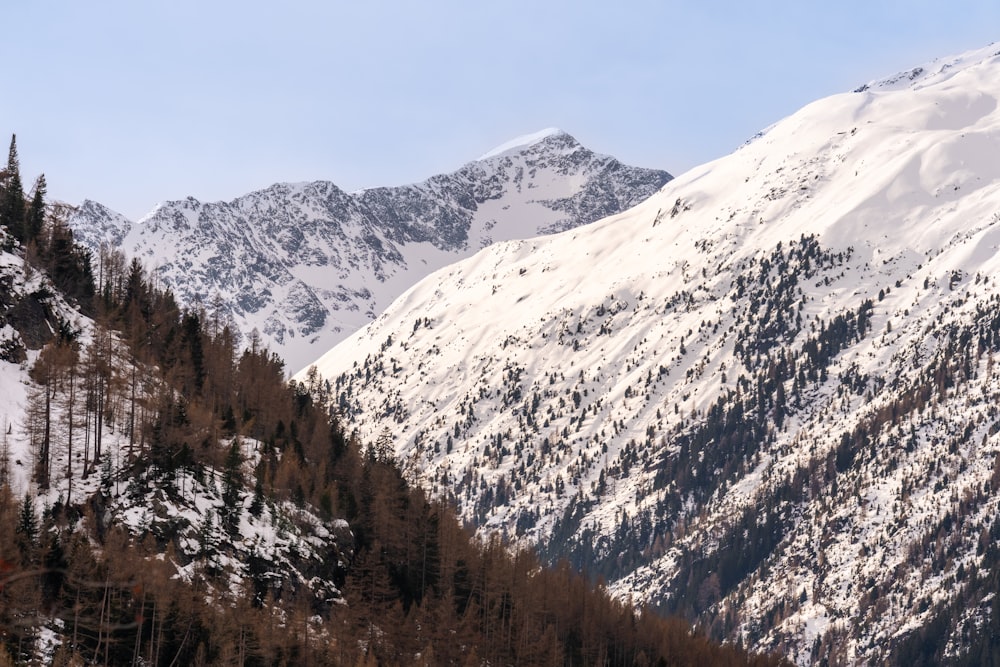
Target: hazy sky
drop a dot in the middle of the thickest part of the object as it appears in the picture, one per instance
(135, 102)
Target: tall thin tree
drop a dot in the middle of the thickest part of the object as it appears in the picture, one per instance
(34, 220)
(12, 209)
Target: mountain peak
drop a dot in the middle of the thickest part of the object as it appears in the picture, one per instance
(106, 225)
(523, 141)
(325, 262)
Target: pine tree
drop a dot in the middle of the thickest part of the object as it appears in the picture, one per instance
(35, 218)
(257, 505)
(107, 477)
(12, 199)
(208, 542)
(232, 483)
(27, 528)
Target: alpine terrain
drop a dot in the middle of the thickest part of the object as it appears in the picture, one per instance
(167, 497)
(766, 398)
(307, 264)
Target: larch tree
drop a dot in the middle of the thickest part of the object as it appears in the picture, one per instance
(53, 371)
(98, 374)
(71, 405)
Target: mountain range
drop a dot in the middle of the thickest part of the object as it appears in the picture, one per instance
(764, 398)
(307, 264)
(168, 497)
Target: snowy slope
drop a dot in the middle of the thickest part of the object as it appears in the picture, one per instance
(31, 310)
(307, 264)
(765, 397)
(287, 544)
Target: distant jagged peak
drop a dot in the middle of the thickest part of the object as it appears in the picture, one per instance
(105, 225)
(552, 138)
(518, 144)
(297, 188)
(277, 194)
(97, 207)
(935, 71)
(306, 263)
(187, 204)
(98, 211)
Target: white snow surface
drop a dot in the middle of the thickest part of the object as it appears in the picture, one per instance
(556, 371)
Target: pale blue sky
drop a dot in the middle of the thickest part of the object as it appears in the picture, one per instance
(131, 103)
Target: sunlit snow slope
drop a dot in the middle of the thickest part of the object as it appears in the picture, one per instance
(765, 397)
(307, 264)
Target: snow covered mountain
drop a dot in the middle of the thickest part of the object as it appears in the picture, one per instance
(765, 398)
(307, 264)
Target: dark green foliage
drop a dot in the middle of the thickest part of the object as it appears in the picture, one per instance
(107, 476)
(162, 452)
(191, 338)
(257, 504)
(54, 566)
(26, 532)
(12, 207)
(228, 420)
(69, 266)
(232, 486)
(34, 220)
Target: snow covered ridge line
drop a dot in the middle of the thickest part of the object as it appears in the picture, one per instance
(308, 264)
(520, 142)
(765, 397)
(933, 72)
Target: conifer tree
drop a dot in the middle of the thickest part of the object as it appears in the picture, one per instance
(27, 527)
(35, 218)
(12, 199)
(232, 482)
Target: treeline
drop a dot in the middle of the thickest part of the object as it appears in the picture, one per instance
(31, 222)
(175, 384)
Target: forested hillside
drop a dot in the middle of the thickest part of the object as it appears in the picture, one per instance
(168, 499)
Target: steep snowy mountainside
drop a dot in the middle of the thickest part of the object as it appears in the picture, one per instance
(934, 72)
(765, 397)
(102, 225)
(307, 264)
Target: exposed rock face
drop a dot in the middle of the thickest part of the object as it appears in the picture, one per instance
(31, 310)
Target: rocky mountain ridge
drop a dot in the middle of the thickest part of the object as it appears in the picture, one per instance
(307, 264)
